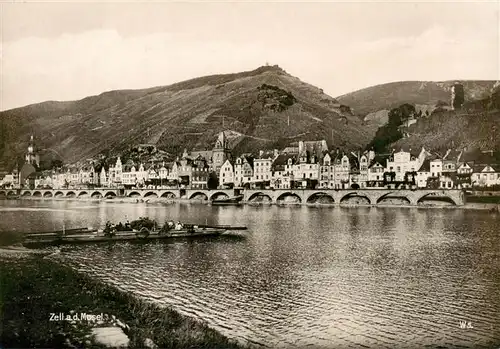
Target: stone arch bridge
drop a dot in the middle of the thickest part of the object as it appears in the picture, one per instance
(368, 196)
(191, 194)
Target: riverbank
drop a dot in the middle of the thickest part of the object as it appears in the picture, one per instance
(36, 291)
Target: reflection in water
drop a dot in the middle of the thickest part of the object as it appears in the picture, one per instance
(303, 276)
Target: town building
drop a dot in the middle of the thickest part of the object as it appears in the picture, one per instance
(376, 170)
(243, 171)
(226, 175)
(282, 171)
(423, 174)
(327, 173)
(200, 173)
(262, 175)
(221, 152)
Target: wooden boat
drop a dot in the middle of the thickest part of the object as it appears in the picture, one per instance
(142, 229)
(234, 200)
(38, 240)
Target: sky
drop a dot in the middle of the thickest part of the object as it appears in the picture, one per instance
(67, 51)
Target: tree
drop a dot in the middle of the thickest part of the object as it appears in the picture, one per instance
(56, 163)
(213, 181)
(390, 132)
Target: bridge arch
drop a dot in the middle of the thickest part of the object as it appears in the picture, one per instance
(260, 197)
(322, 197)
(58, 194)
(150, 194)
(96, 195)
(36, 193)
(82, 194)
(349, 196)
(11, 193)
(168, 195)
(134, 194)
(110, 194)
(288, 198)
(219, 195)
(3, 193)
(198, 195)
(47, 194)
(70, 194)
(387, 197)
(26, 193)
(441, 197)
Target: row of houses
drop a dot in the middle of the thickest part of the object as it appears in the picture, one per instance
(307, 164)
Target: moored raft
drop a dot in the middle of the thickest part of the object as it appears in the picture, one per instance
(142, 229)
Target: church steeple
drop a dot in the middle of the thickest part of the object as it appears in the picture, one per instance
(220, 152)
(31, 157)
(221, 141)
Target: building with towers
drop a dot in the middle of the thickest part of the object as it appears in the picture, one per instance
(221, 152)
(31, 156)
(30, 166)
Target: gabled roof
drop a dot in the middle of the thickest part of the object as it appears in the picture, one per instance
(426, 166)
(291, 150)
(434, 156)
(266, 155)
(453, 155)
(314, 147)
(282, 159)
(231, 162)
(379, 159)
(413, 152)
(206, 154)
(487, 168)
(248, 159)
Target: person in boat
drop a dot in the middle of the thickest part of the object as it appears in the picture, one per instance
(178, 226)
(127, 225)
(170, 225)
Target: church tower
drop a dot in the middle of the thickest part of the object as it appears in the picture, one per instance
(32, 157)
(221, 152)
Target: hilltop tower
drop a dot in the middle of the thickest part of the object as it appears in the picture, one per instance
(457, 96)
(221, 152)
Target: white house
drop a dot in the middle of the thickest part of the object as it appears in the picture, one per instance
(327, 173)
(243, 171)
(226, 174)
(486, 176)
(376, 171)
(363, 170)
(402, 162)
(262, 167)
(436, 167)
(423, 173)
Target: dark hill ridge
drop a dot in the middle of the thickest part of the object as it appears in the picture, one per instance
(476, 125)
(392, 95)
(264, 108)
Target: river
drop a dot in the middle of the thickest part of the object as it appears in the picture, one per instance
(317, 277)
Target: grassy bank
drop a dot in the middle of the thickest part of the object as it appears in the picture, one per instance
(31, 288)
(484, 199)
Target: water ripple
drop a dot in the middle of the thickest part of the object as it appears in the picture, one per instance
(317, 278)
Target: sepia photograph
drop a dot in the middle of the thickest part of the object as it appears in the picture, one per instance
(250, 174)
